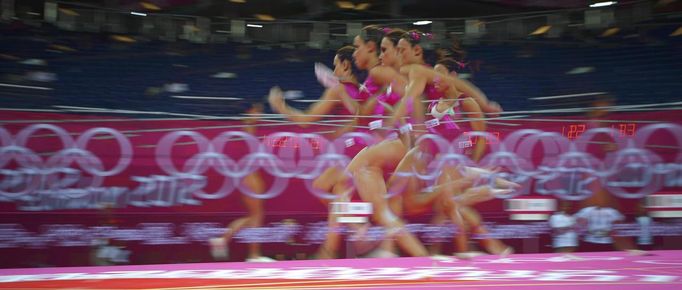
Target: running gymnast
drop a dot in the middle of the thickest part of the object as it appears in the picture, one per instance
(465, 217)
(368, 166)
(344, 92)
(441, 90)
(366, 55)
(382, 105)
(380, 64)
(444, 94)
(254, 207)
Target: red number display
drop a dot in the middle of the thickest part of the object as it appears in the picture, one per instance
(627, 130)
(575, 130)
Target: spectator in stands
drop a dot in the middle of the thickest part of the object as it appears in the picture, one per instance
(598, 221)
(644, 239)
(565, 237)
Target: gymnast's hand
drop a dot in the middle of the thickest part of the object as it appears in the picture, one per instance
(276, 100)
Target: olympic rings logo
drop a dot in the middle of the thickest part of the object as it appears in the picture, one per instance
(559, 166)
(565, 168)
(53, 172)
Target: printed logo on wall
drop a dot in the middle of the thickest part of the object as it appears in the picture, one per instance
(72, 177)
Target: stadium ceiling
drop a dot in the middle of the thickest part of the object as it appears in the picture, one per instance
(323, 23)
(326, 10)
(358, 9)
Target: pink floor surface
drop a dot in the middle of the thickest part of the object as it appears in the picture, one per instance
(595, 270)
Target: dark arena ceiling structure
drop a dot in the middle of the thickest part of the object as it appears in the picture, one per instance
(325, 10)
